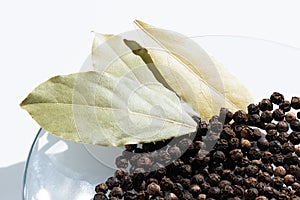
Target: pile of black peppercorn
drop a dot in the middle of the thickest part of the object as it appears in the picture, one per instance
(241, 155)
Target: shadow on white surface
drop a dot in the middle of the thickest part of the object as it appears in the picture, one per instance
(11, 178)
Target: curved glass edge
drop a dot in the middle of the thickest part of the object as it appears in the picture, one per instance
(40, 131)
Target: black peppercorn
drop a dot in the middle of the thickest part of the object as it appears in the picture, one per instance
(289, 179)
(214, 192)
(153, 189)
(277, 182)
(263, 144)
(295, 125)
(287, 148)
(126, 183)
(246, 145)
(280, 171)
(290, 116)
(278, 115)
(170, 196)
(112, 182)
(121, 162)
(221, 145)
(285, 106)
(274, 146)
(295, 102)
(238, 190)
(294, 137)
(240, 117)
(264, 177)
(236, 154)
(278, 159)
(213, 179)
(266, 157)
(234, 143)
(297, 150)
(252, 170)
(276, 98)
(282, 126)
(100, 196)
(268, 168)
(253, 109)
(266, 116)
(130, 195)
(116, 192)
(102, 187)
(201, 197)
(254, 119)
(227, 134)
(166, 184)
(283, 137)
(237, 180)
(120, 173)
(219, 157)
(251, 193)
(250, 182)
(265, 104)
(254, 154)
(195, 190)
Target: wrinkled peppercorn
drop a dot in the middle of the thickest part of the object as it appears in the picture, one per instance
(276, 98)
(266, 116)
(153, 189)
(285, 106)
(240, 117)
(265, 104)
(278, 115)
(282, 126)
(295, 102)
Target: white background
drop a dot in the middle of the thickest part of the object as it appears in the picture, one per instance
(40, 39)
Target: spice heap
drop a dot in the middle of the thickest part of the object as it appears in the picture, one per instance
(241, 155)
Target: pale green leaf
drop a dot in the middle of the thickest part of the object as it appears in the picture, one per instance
(198, 79)
(104, 109)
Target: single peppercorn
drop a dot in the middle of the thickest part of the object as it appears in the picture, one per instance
(251, 193)
(290, 116)
(282, 126)
(277, 182)
(252, 170)
(266, 116)
(254, 119)
(246, 145)
(278, 115)
(279, 171)
(240, 117)
(297, 150)
(278, 159)
(294, 137)
(153, 189)
(214, 192)
(254, 154)
(268, 168)
(201, 197)
(121, 162)
(266, 157)
(283, 137)
(195, 190)
(276, 98)
(116, 192)
(227, 134)
(236, 154)
(102, 187)
(234, 143)
(287, 148)
(274, 146)
(264, 177)
(237, 180)
(285, 106)
(112, 182)
(295, 125)
(250, 182)
(238, 190)
(295, 102)
(170, 196)
(213, 179)
(166, 184)
(289, 179)
(263, 144)
(100, 196)
(219, 157)
(130, 195)
(253, 109)
(265, 104)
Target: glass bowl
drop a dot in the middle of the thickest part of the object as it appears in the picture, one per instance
(58, 169)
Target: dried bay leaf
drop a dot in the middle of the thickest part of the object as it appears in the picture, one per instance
(198, 79)
(104, 109)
